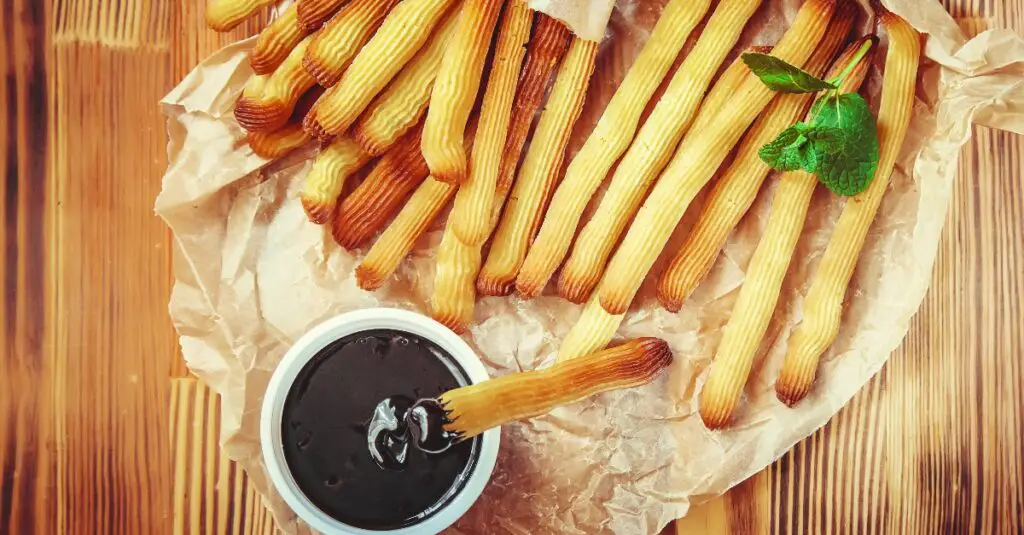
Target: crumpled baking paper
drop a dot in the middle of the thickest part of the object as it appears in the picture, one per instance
(252, 275)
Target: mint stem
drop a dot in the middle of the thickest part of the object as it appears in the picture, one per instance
(861, 52)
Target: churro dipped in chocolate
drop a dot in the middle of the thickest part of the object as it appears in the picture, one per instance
(334, 46)
(224, 15)
(471, 410)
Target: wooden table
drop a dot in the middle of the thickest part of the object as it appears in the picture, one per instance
(103, 432)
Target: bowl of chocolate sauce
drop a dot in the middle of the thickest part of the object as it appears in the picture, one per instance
(334, 434)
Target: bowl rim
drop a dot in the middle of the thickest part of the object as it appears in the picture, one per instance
(311, 343)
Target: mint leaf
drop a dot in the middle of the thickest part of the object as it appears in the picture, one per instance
(843, 143)
(781, 76)
(790, 150)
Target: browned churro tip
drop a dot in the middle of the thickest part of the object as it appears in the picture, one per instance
(324, 75)
(495, 288)
(312, 126)
(528, 290)
(789, 394)
(313, 13)
(317, 212)
(367, 278)
(261, 115)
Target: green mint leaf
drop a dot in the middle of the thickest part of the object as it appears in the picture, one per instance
(790, 150)
(843, 143)
(781, 76)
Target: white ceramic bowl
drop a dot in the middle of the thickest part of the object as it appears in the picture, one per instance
(311, 344)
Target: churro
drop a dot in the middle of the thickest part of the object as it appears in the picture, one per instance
(822, 308)
(539, 171)
(381, 194)
(652, 148)
(280, 94)
(335, 163)
(471, 410)
(313, 13)
(609, 139)
(403, 33)
(334, 46)
(224, 15)
(696, 161)
(471, 215)
(276, 41)
(547, 46)
(398, 239)
(455, 89)
(404, 102)
(737, 187)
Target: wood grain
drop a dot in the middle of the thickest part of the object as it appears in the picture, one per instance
(102, 433)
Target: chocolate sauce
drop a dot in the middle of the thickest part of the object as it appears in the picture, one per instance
(347, 436)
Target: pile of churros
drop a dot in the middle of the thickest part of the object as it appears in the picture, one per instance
(433, 101)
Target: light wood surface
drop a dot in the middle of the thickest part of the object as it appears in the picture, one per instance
(102, 432)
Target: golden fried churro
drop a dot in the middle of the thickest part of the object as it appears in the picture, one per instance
(763, 283)
(454, 295)
(473, 409)
(547, 46)
(653, 146)
(280, 94)
(252, 93)
(399, 238)
(455, 90)
(724, 89)
(313, 13)
(279, 142)
(457, 266)
(539, 171)
(823, 304)
(334, 46)
(404, 102)
(276, 41)
(591, 332)
(471, 216)
(223, 15)
(696, 161)
(368, 208)
(609, 139)
(737, 187)
(405, 30)
(291, 136)
(335, 163)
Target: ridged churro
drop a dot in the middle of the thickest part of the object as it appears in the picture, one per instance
(471, 216)
(696, 161)
(334, 46)
(471, 410)
(313, 13)
(653, 146)
(547, 46)
(380, 196)
(455, 90)
(280, 94)
(224, 15)
(276, 41)
(738, 185)
(404, 102)
(591, 332)
(762, 285)
(822, 308)
(539, 171)
(405, 30)
(609, 139)
(335, 163)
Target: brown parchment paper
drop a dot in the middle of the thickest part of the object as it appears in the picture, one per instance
(252, 275)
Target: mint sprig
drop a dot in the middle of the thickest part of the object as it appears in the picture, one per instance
(839, 144)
